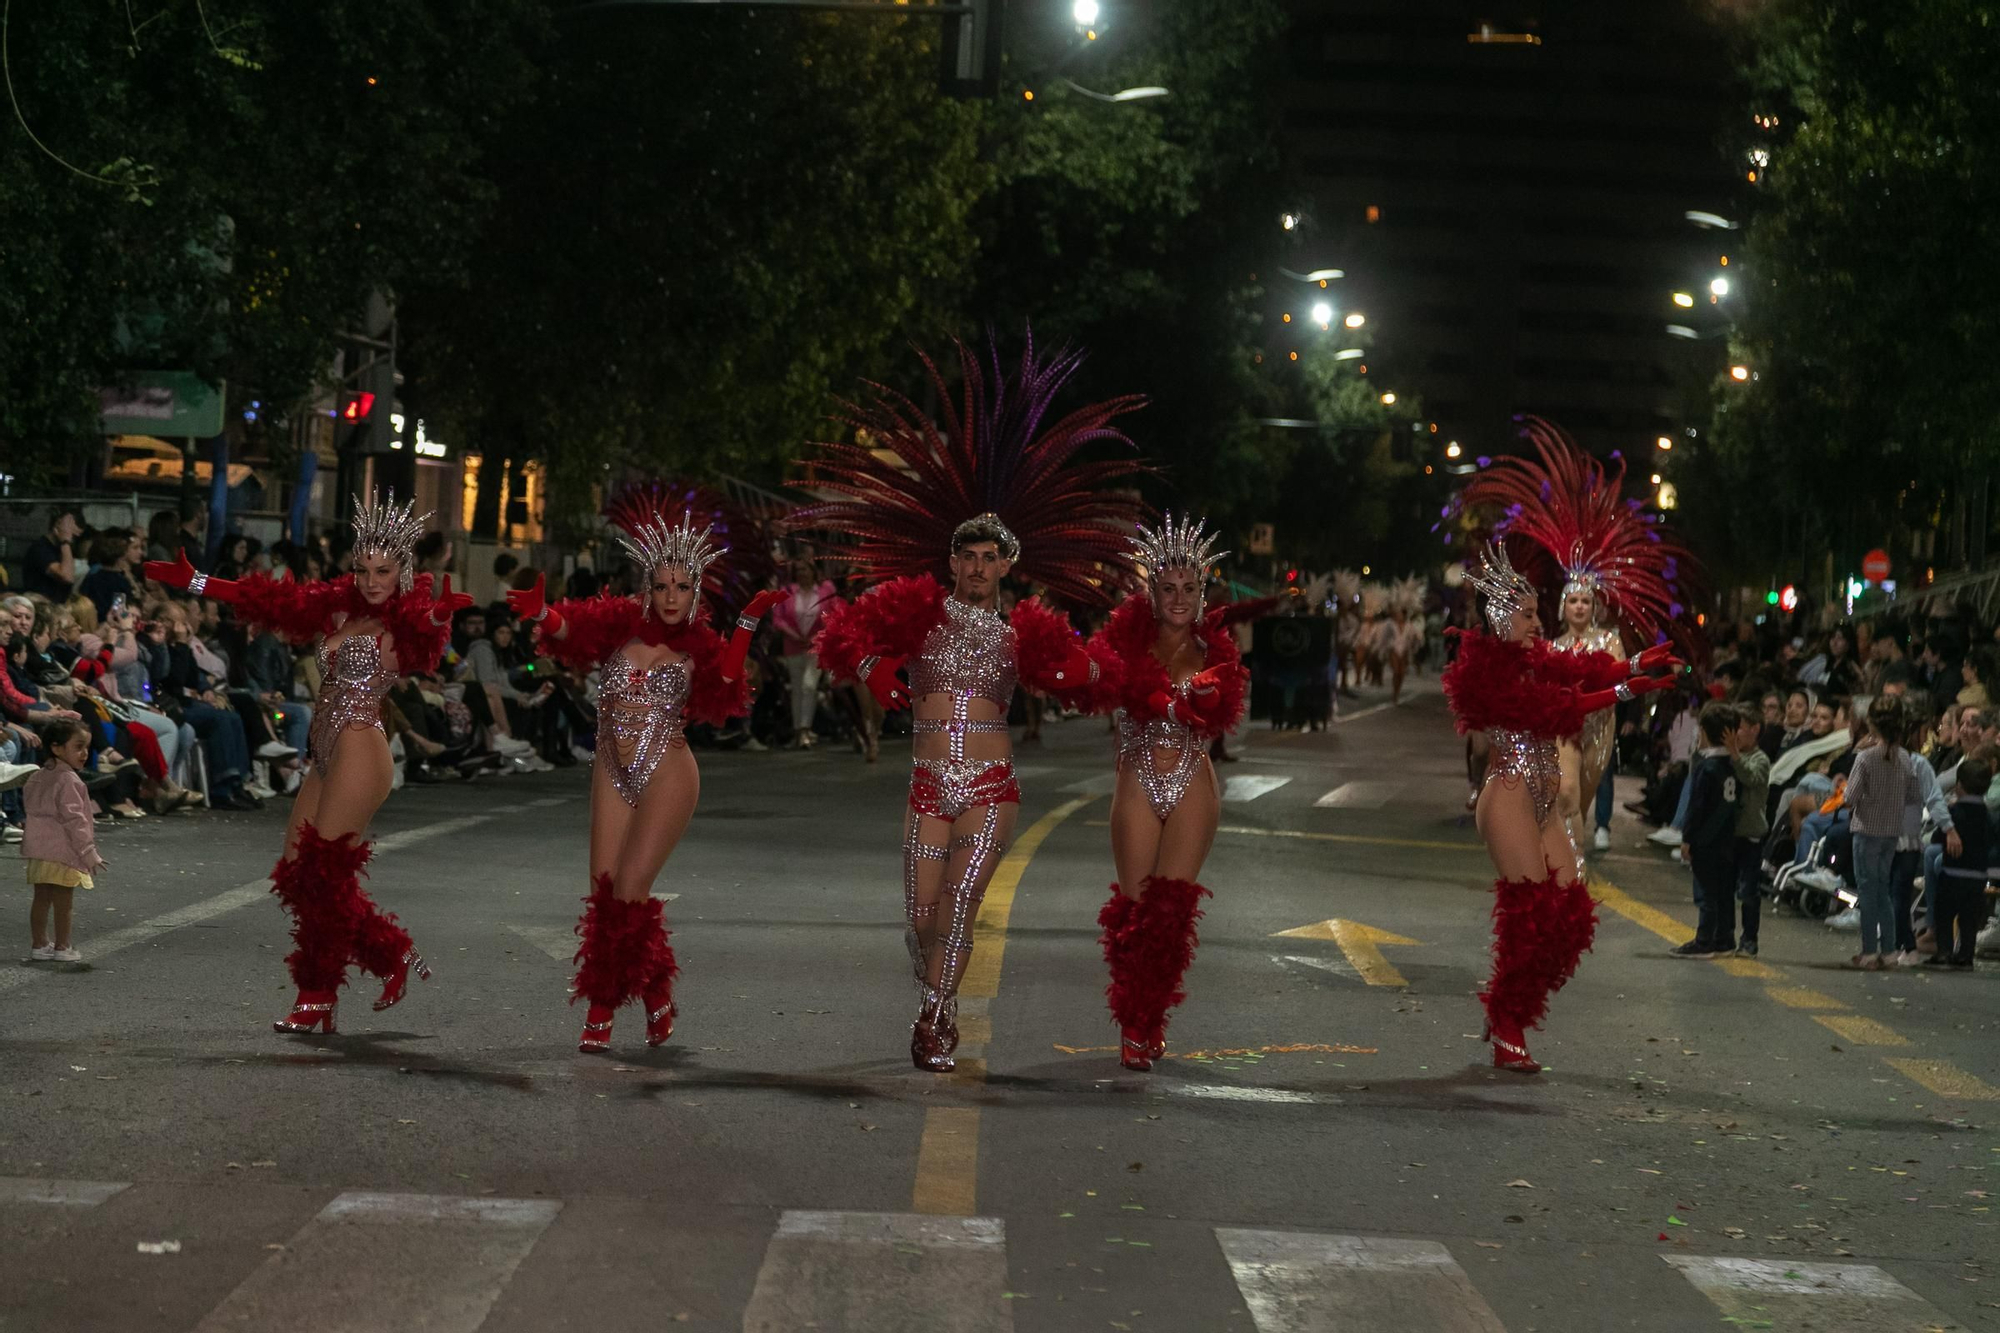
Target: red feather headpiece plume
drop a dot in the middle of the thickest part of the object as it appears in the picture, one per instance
(993, 455)
(1570, 505)
(738, 532)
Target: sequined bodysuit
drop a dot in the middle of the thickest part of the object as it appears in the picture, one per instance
(1140, 744)
(353, 681)
(641, 714)
(970, 655)
(1522, 756)
(1595, 741)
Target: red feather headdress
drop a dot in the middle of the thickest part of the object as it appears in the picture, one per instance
(992, 454)
(1573, 507)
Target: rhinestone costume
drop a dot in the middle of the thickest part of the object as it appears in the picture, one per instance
(1140, 744)
(970, 655)
(353, 682)
(1596, 740)
(641, 713)
(1521, 756)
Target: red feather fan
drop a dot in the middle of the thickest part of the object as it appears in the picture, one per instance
(889, 620)
(993, 453)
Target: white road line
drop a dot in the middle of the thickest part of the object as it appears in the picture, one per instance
(98, 947)
(1365, 712)
(1228, 1092)
(369, 1262)
(1802, 1295)
(883, 1272)
(1099, 784)
(1340, 967)
(70, 1193)
(1240, 789)
(1298, 1282)
(1360, 796)
(1030, 771)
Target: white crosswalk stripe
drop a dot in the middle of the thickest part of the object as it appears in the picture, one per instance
(1248, 788)
(377, 1261)
(68, 1193)
(1360, 796)
(1298, 1282)
(885, 1272)
(1801, 1295)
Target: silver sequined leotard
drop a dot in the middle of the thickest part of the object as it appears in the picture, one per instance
(642, 711)
(352, 684)
(1521, 756)
(970, 655)
(1139, 745)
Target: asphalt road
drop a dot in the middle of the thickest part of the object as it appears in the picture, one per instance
(1771, 1144)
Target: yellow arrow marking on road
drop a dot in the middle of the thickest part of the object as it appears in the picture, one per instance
(1362, 945)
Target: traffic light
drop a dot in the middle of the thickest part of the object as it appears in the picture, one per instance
(357, 408)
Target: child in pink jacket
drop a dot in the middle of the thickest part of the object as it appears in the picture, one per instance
(59, 845)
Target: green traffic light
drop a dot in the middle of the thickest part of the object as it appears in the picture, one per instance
(1771, 598)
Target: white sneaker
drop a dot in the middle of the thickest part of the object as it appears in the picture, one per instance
(42, 953)
(755, 746)
(1665, 837)
(583, 756)
(13, 775)
(1601, 840)
(1819, 877)
(12, 833)
(510, 745)
(1848, 920)
(1907, 958)
(275, 750)
(67, 956)
(293, 779)
(259, 790)
(1989, 939)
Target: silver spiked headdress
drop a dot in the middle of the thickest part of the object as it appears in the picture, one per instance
(380, 527)
(975, 529)
(1506, 589)
(1173, 545)
(654, 542)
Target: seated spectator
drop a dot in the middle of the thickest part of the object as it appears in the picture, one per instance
(114, 554)
(49, 568)
(1976, 672)
(191, 694)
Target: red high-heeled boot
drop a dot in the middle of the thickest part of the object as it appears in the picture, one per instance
(1510, 1048)
(596, 1029)
(1135, 1048)
(313, 1009)
(399, 979)
(934, 1035)
(660, 1015)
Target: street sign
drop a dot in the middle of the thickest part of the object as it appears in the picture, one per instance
(1875, 565)
(170, 403)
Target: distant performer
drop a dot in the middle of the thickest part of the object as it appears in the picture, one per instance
(1525, 695)
(1171, 677)
(369, 627)
(662, 667)
(994, 494)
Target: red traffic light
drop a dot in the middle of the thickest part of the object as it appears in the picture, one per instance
(358, 407)
(1291, 576)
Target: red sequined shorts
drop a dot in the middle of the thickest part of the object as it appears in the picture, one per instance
(947, 788)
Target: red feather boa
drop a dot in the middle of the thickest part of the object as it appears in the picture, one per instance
(321, 887)
(1043, 642)
(593, 629)
(1540, 930)
(889, 620)
(1127, 639)
(1527, 687)
(624, 950)
(1149, 945)
(596, 627)
(301, 612)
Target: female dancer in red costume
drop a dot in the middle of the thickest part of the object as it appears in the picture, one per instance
(663, 666)
(1525, 695)
(1172, 673)
(963, 659)
(369, 626)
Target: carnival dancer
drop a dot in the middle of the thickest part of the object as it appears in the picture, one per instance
(1524, 694)
(1403, 632)
(1620, 572)
(368, 626)
(662, 667)
(1175, 682)
(994, 471)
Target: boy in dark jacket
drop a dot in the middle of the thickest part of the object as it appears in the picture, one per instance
(1709, 836)
(1753, 782)
(1961, 881)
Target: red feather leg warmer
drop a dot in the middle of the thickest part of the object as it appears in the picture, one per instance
(379, 942)
(1043, 641)
(295, 612)
(889, 620)
(1149, 943)
(593, 629)
(1493, 683)
(1540, 929)
(711, 699)
(321, 887)
(624, 950)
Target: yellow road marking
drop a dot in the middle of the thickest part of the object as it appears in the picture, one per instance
(948, 1154)
(1945, 1079)
(1860, 1031)
(1669, 928)
(1800, 997)
(1748, 967)
(1362, 945)
(1330, 837)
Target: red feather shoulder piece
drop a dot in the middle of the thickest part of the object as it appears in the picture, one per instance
(711, 699)
(594, 628)
(1496, 684)
(295, 612)
(1043, 641)
(419, 640)
(889, 620)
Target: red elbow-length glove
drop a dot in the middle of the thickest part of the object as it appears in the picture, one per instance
(179, 573)
(731, 661)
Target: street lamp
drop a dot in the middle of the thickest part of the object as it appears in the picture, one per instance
(1388, 400)
(1320, 275)
(1349, 354)
(1684, 300)
(1085, 12)
(1140, 94)
(1355, 321)
(1452, 450)
(1720, 287)
(1664, 442)
(1322, 313)
(1739, 373)
(1289, 221)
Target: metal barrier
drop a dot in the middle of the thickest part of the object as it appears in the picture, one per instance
(23, 520)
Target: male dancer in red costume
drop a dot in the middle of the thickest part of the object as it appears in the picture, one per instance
(993, 473)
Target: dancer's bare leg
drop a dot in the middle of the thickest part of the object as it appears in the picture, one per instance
(632, 844)
(1569, 796)
(1505, 817)
(346, 799)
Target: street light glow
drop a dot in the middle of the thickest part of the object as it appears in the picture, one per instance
(1355, 321)
(1289, 221)
(1681, 331)
(1664, 442)
(1683, 300)
(1322, 314)
(1719, 287)
(1452, 450)
(1701, 219)
(1349, 354)
(1739, 373)
(1085, 12)
(1388, 400)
